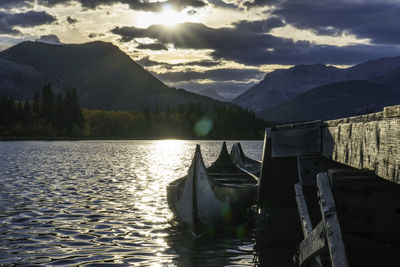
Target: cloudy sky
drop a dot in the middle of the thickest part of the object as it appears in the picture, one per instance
(227, 45)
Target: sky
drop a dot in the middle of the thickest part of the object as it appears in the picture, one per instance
(226, 45)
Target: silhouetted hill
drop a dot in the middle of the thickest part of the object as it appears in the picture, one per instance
(332, 101)
(104, 76)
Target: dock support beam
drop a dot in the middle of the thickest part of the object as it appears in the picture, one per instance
(278, 222)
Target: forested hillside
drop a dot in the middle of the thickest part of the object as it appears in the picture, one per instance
(60, 116)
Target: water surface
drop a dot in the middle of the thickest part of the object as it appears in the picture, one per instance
(104, 202)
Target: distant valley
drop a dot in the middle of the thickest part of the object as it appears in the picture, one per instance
(209, 92)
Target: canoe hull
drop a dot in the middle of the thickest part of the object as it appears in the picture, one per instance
(242, 161)
(202, 203)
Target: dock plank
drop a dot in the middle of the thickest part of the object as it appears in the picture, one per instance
(372, 145)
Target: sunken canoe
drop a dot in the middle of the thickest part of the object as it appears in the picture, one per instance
(242, 161)
(208, 198)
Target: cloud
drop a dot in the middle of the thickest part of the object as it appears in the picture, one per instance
(222, 74)
(133, 4)
(50, 39)
(27, 19)
(153, 46)
(247, 44)
(15, 3)
(261, 26)
(71, 20)
(147, 62)
(375, 20)
(196, 36)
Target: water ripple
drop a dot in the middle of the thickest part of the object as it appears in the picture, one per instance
(102, 203)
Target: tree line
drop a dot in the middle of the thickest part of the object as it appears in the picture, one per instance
(193, 121)
(52, 116)
(47, 115)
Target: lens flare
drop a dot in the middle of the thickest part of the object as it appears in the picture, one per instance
(203, 127)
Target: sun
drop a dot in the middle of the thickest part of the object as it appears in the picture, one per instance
(167, 17)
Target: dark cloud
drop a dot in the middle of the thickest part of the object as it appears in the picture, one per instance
(251, 47)
(214, 74)
(261, 26)
(15, 3)
(153, 46)
(71, 20)
(147, 62)
(134, 4)
(203, 63)
(376, 20)
(27, 19)
(50, 39)
(197, 36)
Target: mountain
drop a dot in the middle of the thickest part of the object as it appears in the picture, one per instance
(332, 101)
(372, 69)
(104, 76)
(209, 92)
(390, 80)
(282, 85)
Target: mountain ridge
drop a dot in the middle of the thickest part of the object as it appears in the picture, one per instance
(333, 101)
(283, 85)
(105, 77)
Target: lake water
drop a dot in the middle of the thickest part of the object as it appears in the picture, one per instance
(104, 202)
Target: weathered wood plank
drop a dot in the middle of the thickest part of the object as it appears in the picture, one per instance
(366, 203)
(391, 112)
(303, 210)
(310, 164)
(331, 221)
(370, 253)
(312, 245)
(278, 222)
(372, 145)
(305, 223)
(289, 143)
(276, 179)
(301, 125)
(362, 118)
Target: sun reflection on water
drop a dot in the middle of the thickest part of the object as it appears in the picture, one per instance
(96, 202)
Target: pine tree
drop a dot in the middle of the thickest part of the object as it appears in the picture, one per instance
(76, 109)
(27, 117)
(36, 106)
(48, 104)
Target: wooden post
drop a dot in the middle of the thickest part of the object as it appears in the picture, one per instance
(266, 163)
(303, 254)
(278, 222)
(330, 219)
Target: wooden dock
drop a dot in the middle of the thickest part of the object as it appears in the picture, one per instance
(329, 191)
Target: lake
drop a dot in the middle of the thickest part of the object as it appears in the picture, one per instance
(104, 203)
